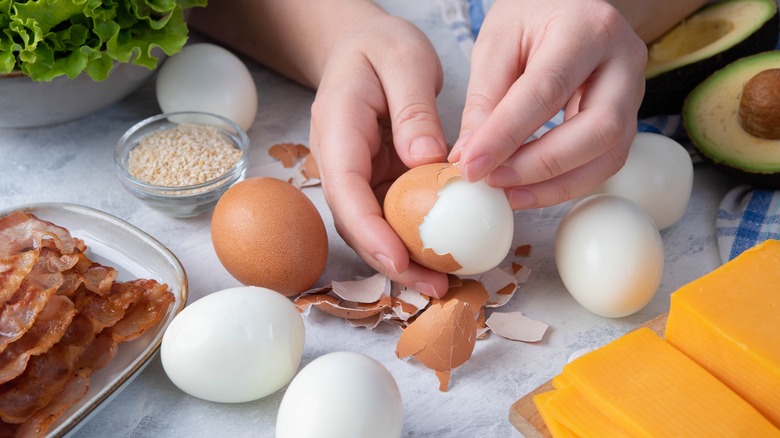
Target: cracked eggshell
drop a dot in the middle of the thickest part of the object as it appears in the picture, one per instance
(448, 224)
(341, 394)
(609, 255)
(267, 233)
(235, 345)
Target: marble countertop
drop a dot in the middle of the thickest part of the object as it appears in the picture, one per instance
(73, 162)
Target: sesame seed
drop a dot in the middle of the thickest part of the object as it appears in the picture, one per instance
(185, 155)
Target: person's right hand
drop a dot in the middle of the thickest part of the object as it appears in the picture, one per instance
(532, 58)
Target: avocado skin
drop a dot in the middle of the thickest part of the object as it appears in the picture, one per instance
(665, 93)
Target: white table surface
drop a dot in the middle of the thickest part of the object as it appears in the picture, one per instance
(72, 162)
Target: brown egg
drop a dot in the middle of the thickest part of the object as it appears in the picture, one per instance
(447, 223)
(267, 233)
(407, 202)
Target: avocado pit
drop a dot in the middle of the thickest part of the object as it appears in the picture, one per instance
(759, 106)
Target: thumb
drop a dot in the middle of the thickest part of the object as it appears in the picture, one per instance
(417, 131)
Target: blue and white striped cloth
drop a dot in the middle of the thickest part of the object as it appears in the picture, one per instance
(746, 215)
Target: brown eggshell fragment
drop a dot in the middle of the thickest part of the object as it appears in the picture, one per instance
(406, 204)
(442, 338)
(443, 335)
(267, 233)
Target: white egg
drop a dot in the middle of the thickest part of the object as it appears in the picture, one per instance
(473, 222)
(208, 78)
(658, 176)
(235, 345)
(609, 255)
(338, 395)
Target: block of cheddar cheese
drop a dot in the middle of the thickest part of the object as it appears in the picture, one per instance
(729, 322)
(648, 388)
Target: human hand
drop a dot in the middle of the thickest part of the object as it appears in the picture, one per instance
(373, 117)
(531, 59)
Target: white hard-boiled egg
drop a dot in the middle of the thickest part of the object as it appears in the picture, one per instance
(657, 175)
(235, 345)
(341, 394)
(609, 255)
(208, 78)
(447, 223)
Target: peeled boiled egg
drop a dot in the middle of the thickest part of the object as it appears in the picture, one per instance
(609, 255)
(209, 78)
(657, 175)
(267, 233)
(449, 224)
(235, 345)
(341, 394)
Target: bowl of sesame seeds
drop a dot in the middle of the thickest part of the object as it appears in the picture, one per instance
(181, 163)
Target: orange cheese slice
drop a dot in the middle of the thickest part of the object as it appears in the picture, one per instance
(651, 389)
(729, 322)
(556, 429)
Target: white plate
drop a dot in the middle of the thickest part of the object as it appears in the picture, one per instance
(134, 254)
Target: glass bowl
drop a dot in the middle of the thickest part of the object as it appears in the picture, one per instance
(182, 199)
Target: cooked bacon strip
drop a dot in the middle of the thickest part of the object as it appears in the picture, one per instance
(19, 313)
(13, 269)
(41, 421)
(47, 374)
(144, 313)
(20, 231)
(96, 277)
(47, 330)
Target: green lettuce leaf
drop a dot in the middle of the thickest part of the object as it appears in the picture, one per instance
(45, 39)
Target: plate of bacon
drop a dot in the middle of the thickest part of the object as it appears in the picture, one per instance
(85, 299)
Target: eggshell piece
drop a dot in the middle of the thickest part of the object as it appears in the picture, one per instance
(209, 78)
(234, 346)
(444, 334)
(657, 175)
(268, 233)
(609, 255)
(341, 394)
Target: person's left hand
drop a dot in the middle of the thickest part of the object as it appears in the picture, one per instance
(373, 117)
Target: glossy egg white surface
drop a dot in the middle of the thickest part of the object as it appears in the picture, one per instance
(235, 345)
(609, 255)
(657, 175)
(209, 78)
(473, 222)
(341, 395)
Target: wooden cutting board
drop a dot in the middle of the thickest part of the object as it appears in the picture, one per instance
(523, 414)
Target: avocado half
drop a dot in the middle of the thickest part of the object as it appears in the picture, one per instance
(711, 117)
(708, 40)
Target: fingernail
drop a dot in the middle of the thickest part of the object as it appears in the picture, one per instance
(426, 288)
(503, 176)
(477, 168)
(387, 262)
(460, 143)
(425, 147)
(521, 198)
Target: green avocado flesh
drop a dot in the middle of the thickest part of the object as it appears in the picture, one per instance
(711, 118)
(706, 41)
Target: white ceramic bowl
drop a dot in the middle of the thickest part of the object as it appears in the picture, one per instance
(26, 103)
